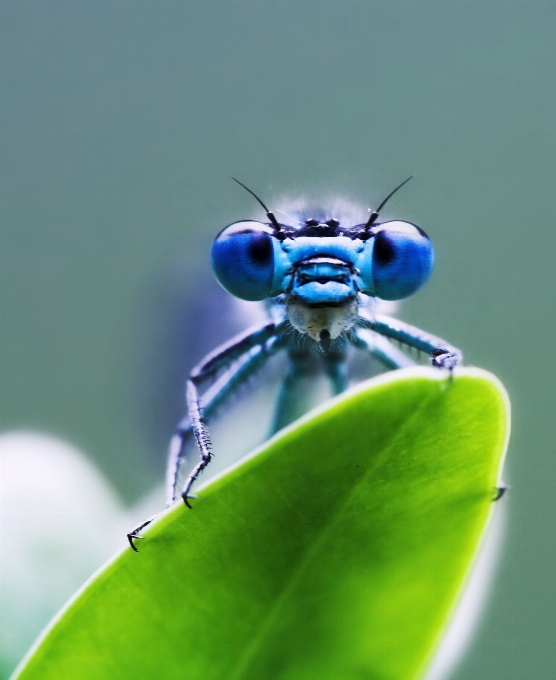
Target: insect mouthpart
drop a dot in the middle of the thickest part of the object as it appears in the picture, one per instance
(323, 282)
(322, 323)
(322, 301)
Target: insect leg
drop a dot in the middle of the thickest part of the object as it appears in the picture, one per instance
(212, 364)
(176, 456)
(291, 398)
(500, 491)
(381, 348)
(223, 357)
(214, 397)
(443, 355)
(335, 368)
(219, 392)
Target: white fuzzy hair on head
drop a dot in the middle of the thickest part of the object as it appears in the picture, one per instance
(338, 208)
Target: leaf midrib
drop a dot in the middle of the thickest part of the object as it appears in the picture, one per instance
(270, 614)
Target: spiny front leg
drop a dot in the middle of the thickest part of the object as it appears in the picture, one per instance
(380, 347)
(240, 358)
(202, 437)
(252, 350)
(175, 457)
(442, 354)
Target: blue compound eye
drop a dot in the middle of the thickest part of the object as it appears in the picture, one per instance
(403, 258)
(243, 259)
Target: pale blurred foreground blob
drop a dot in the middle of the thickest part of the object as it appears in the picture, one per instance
(60, 521)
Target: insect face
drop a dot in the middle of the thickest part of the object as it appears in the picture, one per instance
(322, 265)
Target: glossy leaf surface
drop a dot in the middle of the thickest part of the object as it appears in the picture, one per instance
(337, 550)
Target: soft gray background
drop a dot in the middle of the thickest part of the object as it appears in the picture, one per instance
(121, 124)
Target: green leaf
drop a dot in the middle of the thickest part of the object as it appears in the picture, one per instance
(336, 551)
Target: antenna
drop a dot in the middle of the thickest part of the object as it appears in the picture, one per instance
(375, 213)
(269, 214)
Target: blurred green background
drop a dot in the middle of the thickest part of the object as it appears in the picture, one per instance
(121, 124)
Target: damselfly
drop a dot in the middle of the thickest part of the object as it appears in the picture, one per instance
(320, 275)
